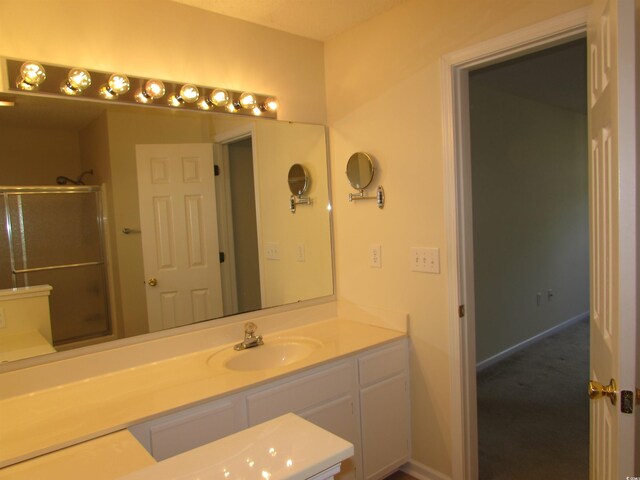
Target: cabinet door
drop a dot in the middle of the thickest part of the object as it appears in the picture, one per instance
(385, 426)
(338, 417)
(191, 428)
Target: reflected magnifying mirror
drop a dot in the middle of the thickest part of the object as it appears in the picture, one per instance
(299, 181)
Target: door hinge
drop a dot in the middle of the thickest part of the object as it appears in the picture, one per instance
(461, 311)
(626, 401)
(221, 255)
(216, 170)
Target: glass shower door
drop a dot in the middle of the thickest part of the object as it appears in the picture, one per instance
(55, 237)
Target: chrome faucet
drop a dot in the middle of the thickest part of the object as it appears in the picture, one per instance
(250, 340)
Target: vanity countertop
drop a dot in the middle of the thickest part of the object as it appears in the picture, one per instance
(47, 420)
(105, 458)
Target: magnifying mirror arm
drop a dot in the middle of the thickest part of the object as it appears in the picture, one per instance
(298, 200)
(379, 196)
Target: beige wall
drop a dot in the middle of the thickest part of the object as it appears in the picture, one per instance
(383, 97)
(36, 156)
(530, 217)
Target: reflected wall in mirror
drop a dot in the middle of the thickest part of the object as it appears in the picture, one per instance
(209, 215)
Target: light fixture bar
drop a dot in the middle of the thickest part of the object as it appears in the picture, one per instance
(108, 87)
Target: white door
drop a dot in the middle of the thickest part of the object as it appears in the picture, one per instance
(613, 234)
(179, 233)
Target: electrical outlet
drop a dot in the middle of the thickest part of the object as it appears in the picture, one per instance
(3, 320)
(425, 259)
(300, 255)
(375, 256)
(272, 250)
(538, 298)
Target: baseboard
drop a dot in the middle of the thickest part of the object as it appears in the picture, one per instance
(511, 350)
(422, 472)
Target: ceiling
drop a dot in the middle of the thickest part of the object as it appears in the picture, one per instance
(315, 19)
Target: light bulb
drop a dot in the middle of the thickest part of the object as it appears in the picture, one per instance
(256, 111)
(205, 104)
(189, 93)
(271, 104)
(78, 79)
(174, 101)
(32, 74)
(142, 97)
(230, 107)
(248, 100)
(154, 88)
(119, 83)
(106, 93)
(220, 97)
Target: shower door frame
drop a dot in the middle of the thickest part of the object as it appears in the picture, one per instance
(7, 192)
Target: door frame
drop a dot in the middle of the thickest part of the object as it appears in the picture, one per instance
(221, 154)
(455, 68)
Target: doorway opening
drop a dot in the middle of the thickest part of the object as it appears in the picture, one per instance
(530, 210)
(237, 226)
(456, 67)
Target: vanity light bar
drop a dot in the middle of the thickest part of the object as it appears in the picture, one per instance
(54, 80)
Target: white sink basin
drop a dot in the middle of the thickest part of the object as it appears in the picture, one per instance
(274, 353)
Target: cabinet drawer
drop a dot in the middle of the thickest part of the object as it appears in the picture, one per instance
(384, 363)
(300, 394)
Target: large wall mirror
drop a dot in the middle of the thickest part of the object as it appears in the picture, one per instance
(179, 220)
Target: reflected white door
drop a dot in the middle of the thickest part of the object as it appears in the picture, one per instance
(177, 200)
(613, 233)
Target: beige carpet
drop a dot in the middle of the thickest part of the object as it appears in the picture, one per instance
(533, 411)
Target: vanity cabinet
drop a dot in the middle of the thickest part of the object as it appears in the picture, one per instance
(363, 399)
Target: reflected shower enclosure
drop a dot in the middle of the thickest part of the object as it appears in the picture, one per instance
(54, 236)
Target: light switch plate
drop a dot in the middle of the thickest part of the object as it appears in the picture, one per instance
(375, 256)
(272, 250)
(300, 253)
(425, 259)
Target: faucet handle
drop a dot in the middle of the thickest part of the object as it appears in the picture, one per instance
(250, 328)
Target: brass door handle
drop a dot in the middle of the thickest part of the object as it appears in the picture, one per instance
(152, 282)
(597, 390)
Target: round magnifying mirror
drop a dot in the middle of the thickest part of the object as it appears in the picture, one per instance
(360, 170)
(298, 179)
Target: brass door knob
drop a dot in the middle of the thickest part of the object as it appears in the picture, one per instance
(152, 282)
(597, 390)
